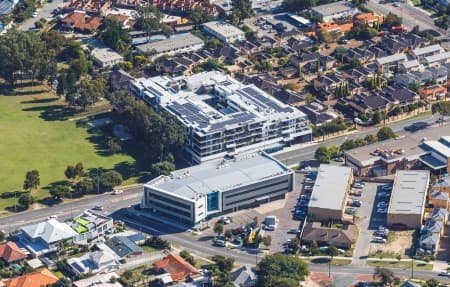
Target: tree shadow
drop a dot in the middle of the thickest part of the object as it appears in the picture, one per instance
(205, 238)
(11, 194)
(56, 183)
(49, 201)
(31, 92)
(15, 209)
(40, 101)
(53, 112)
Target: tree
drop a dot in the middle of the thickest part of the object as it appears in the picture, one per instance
(244, 7)
(188, 257)
(218, 228)
(322, 154)
(79, 169)
(282, 266)
(59, 191)
(199, 16)
(85, 186)
(442, 108)
(32, 180)
(223, 264)
(156, 283)
(332, 251)
(266, 240)
(70, 172)
(112, 33)
(294, 245)
(162, 168)
(228, 234)
(2, 236)
(110, 179)
(148, 19)
(432, 283)
(298, 5)
(385, 133)
(87, 92)
(25, 200)
(443, 22)
(371, 138)
(392, 20)
(334, 151)
(324, 36)
(386, 276)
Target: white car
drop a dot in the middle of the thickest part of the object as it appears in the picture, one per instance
(225, 220)
(381, 210)
(444, 273)
(396, 4)
(117, 191)
(52, 217)
(386, 187)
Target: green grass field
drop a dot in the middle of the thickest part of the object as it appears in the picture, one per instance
(400, 264)
(35, 134)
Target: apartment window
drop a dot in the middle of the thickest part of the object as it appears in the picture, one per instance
(168, 200)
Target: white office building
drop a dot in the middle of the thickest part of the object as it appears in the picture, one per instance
(224, 31)
(223, 116)
(191, 195)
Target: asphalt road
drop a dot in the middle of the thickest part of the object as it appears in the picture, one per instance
(45, 12)
(411, 15)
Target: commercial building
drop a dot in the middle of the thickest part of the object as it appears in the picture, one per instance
(407, 202)
(426, 149)
(223, 116)
(191, 195)
(224, 31)
(335, 10)
(174, 45)
(329, 194)
(340, 237)
(106, 57)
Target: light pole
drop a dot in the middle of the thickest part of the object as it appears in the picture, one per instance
(98, 171)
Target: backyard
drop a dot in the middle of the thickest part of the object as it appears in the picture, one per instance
(38, 132)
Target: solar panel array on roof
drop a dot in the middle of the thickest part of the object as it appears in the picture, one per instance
(240, 117)
(191, 113)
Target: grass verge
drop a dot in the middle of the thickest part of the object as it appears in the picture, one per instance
(400, 264)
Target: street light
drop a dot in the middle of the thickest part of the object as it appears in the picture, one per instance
(98, 172)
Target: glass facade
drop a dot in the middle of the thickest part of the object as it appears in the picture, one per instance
(213, 201)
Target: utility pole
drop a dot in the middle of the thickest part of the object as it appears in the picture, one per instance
(412, 268)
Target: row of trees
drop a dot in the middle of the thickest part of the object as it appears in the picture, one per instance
(325, 154)
(331, 127)
(25, 55)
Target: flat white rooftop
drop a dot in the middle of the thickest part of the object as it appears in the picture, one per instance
(391, 59)
(427, 49)
(219, 175)
(409, 191)
(223, 28)
(330, 188)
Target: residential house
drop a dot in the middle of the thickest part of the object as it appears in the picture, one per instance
(179, 269)
(393, 45)
(339, 237)
(440, 74)
(103, 280)
(90, 225)
(120, 80)
(336, 29)
(440, 214)
(43, 237)
(265, 42)
(370, 103)
(318, 113)
(230, 55)
(419, 77)
(410, 66)
(298, 45)
(358, 75)
(289, 97)
(104, 260)
(421, 53)
(125, 21)
(81, 22)
(264, 57)
(244, 277)
(10, 253)
(123, 246)
(432, 93)
(174, 66)
(377, 51)
(442, 184)
(432, 226)
(288, 72)
(93, 7)
(38, 278)
(369, 19)
(401, 96)
(410, 284)
(183, 7)
(431, 234)
(246, 67)
(247, 47)
(414, 41)
(390, 63)
(327, 84)
(363, 55)
(437, 59)
(439, 199)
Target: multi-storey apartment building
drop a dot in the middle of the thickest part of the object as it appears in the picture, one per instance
(223, 116)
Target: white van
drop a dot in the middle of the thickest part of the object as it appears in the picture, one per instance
(270, 222)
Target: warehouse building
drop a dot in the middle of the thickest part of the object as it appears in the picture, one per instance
(335, 10)
(191, 195)
(329, 195)
(408, 198)
(176, 44)
(223, 116)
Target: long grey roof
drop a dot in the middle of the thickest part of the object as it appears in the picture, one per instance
(219, 175)
(333, 8)
(330, 187)
(409, 191)
(172, 43)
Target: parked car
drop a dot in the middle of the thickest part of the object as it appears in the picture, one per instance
(98, 207)
(339, 159)
(386, 188)
(360, 182)
(384, 194)
(52, 217)
(356, 203)
(356, 192)
(416, 126)
(382, 210)
(220, 242)
(350, 211)
(444, 273)
(226, 220)
(358, 185)
(117, 191)
(293, 231)
(379, 240)
(396, 4)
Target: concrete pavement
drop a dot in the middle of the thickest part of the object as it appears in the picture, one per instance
(45, 12)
